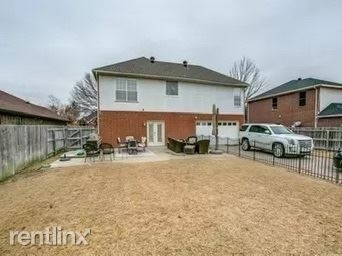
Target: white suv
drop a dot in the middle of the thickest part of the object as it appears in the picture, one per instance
(274, 138)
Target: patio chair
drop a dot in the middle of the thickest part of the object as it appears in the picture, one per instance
(121, 145)
(107, 149)
(132, 147)
(142, 144)
(91, 151)
(190, 145)
(191, 140)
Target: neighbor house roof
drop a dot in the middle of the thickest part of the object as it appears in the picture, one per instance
(145, 68)
(90, 118)
(295, 85)
(14, 105)
(333, 109)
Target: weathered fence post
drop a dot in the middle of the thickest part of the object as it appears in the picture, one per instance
(327, 139)
(64, 138)
(239, 146)
(53, 142)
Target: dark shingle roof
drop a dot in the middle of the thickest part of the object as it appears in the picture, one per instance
(15, 105)
(294, 85)
(332, 109)
(142, 67)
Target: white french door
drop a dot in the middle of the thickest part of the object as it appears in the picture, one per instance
(155, 133)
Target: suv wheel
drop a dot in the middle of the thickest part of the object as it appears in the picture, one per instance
(245, 145)
(278, 150)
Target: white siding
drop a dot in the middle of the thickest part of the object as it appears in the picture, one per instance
(192, 98)
(329, 95)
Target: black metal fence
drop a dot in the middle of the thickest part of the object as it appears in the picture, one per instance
(319, 163)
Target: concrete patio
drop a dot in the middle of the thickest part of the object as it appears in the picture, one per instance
(152, 154)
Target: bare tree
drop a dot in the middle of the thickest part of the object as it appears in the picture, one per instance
(70, 111)
(84, 94)
(54, 104)
(246, 71)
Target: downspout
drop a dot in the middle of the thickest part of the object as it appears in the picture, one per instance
(97, 78)
(247, 112)
(316, 105)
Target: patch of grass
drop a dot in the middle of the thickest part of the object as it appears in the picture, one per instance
(212, 205)
(33, 168)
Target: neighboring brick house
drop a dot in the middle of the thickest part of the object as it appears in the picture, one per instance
(14, 110)
(331, 116)
(147, 98)
(301, 100)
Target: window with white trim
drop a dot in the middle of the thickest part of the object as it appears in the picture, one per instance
(171, 88)
(237, 98)
(126, 90)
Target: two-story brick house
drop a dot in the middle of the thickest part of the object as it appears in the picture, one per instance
(312, 102)
(145, 97)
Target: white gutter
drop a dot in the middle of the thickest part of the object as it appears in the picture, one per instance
(168, 77)
(331, 86)
(327, 116)
(296, 90)
(281, 93)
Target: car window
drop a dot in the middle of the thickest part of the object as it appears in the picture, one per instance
(254, 128)
(281, 130)
(264, 129)
(243, 127)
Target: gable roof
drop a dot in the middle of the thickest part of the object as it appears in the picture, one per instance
(294, 85)
(144, 68)
(14, 105)
(333, 109)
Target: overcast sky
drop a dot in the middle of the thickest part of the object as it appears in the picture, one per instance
(46, 46)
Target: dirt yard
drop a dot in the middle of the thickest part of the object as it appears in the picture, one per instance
(197, 206)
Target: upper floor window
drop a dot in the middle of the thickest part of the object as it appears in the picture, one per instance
(237, 98)
(302, 98)
(274, 103)
(126, 90)
(171, 88)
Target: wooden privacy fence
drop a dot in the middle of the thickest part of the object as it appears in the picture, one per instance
(21, 145)
(323, 137)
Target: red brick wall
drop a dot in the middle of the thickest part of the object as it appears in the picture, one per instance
(115, 124)
(288, 110)
(330, 122)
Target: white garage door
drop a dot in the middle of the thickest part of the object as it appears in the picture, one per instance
(228, 129)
